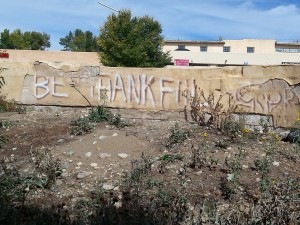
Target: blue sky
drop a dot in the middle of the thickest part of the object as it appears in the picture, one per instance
(183, 20)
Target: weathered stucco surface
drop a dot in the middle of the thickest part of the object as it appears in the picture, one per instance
(269, 90)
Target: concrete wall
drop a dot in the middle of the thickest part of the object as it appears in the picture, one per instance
(260, 46)
(268, 90)
(223, 58)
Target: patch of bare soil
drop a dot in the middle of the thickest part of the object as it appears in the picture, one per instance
(174, 172)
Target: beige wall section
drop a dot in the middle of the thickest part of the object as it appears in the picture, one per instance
(236, 58)
(261, 46)
(269, 90)
(81, 58)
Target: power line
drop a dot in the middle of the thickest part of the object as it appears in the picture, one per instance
(108, 7)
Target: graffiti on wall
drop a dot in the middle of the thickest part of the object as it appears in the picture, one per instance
(156, 89)
(142, 89)
(266, 97)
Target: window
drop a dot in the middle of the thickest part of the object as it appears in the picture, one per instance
(288, 50)
(181, 47)
(203, 48)
(250, 49)
(226, 49)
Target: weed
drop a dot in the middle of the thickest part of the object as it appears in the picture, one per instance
(21, 109)
(2, 81)
(209, 210)
(281, 205)
(214, 162)
(233, 128)
(235, 166)
(100, 114)
(7, 124)
(117, 121)
(3, 141)
(15, 187)
(140, 169)
(202, 107)
(7, 105)
(170, 205)
(153, 183)
(222, 143)
(177, 136)
(81, 126)
(227, 191)
(171, 157)
(265, 123)
(46, 167)
(207, 110)
(198, 159)
(263, 165)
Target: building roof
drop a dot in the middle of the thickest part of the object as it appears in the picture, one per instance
(192, 42)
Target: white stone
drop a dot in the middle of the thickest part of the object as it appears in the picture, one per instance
(88, 154)
(116, 188)
(82, 175)
(104, 155)
(118, 204)
(95, 142)
(115, 134)
(107, 187)
(276, 163)
(93, 164)
(102, 137)
(79, 163)
(123, 155)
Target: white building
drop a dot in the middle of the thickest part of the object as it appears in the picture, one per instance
(232, 52)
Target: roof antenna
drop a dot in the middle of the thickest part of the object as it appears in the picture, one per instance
(108, 7)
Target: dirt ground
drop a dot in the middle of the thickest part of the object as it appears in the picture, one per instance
(101, 157)
(105, 153)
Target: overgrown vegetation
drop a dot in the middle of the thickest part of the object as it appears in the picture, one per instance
(15, 188)
(99, 114)
(218, 171)
(177, 136)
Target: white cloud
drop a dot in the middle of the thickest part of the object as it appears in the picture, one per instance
(283, 10)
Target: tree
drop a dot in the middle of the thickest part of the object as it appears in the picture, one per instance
(132, 42)
(39, 41)
(16, 38)
(79, 41)
(5, 42)
(30, 40)
(67, 42)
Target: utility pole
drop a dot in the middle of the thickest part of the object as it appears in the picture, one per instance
(109, 7)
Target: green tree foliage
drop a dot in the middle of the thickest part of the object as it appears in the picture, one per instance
(79, 41)
(30, 40)
(132, 41)
(5, 42)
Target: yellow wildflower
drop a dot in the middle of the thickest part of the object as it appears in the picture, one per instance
(246, 130)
